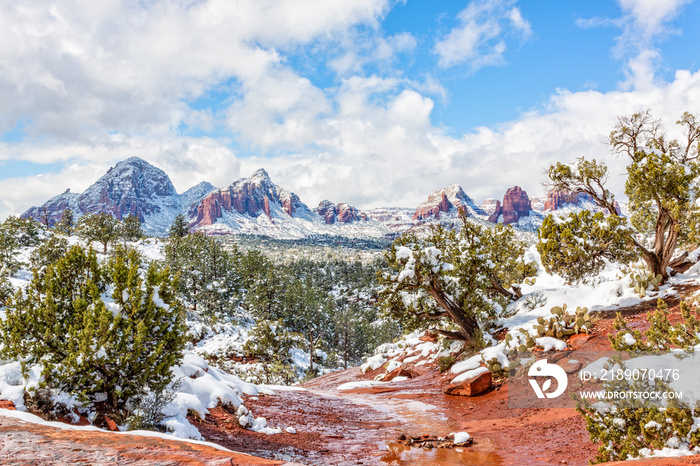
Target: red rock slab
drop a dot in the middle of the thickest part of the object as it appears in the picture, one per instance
(470, 387)
(25, 443)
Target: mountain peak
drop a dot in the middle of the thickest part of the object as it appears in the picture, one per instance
(445, 200)
(260, 173)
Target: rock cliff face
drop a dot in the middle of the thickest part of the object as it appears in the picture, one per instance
(450, 199)
(490, 205)
(557, 199)
(252, 196)
(339, 213)
(560, 199)
(515, 205)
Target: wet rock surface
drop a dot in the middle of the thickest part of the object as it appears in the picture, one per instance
(25, 443)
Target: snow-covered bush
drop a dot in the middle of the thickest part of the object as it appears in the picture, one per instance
(661, 334)
(560, 324)
(635, 427)
(103, 334)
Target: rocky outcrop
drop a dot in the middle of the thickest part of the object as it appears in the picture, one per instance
(560, 198)
(490, 205)
(516, 204)
(31, 443)
(557, 199)
(253, 196)
(339, 213)
(470, 387)
(450, 199)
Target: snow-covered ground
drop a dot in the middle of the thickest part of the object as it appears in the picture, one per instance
(197, 385)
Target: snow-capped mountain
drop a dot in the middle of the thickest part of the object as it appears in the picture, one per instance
(256, 205)
(446, 201)
(131, 187)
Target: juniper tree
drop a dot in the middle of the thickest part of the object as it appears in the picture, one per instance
(102, 227)
(208, 273)
(130, 229)
(462, 277)
(104, 334)
(67, 223)
(662, 196)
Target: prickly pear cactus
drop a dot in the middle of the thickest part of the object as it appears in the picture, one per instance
(564, 324)
(645, 281)
(496, 368)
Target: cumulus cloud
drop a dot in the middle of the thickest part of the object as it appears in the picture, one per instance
(97, 82)
(480, 38)
(643, 24)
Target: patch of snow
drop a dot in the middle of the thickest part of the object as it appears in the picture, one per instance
(469, 374)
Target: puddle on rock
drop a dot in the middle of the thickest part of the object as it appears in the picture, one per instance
(398, 454)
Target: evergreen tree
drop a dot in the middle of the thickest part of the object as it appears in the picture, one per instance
(67, 223)
(105, 334)
(102, 227)
(208, 274)
(308, 311)
(48, 252)
(25, 231)
(180, 228)
(661, 188)
(130, 229)
(271, 343)
(562, 251)
(458, 277)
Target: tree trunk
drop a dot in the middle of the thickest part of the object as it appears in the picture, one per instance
(311, 350)
(467, 323)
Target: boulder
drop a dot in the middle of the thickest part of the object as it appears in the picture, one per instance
(6, 404)
(470, 387)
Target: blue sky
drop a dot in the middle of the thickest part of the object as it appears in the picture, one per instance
(372, 102)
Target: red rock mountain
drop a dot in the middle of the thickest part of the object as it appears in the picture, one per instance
(516, 204)
(450, 199)
(558, 199)
(253, 196)
(131, 187)
(340, 213)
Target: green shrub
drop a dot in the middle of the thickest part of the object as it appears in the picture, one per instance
(103, 333)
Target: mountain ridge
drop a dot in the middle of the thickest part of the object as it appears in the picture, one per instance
(256, 205)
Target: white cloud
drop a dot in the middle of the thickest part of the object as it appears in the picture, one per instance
(643, 24)
(110, 80)
(77, 68)
(379, 147)
(480, 38)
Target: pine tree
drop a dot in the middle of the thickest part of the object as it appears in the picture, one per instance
(180, 228)
(104, 334)
(208, 274)
(271, 343)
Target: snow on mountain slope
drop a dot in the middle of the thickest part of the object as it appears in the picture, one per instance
(255, 205)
